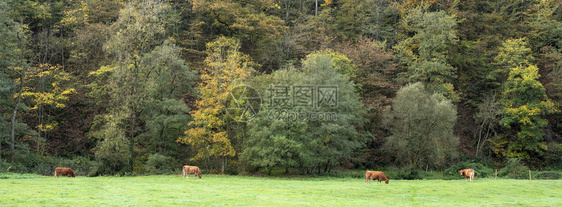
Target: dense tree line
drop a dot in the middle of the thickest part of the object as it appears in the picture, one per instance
(144, 85)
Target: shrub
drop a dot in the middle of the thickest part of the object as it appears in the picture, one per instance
(514, 169)
(346, 173)
(12, 167)
(548, 175)
(33, 163)
(157, 164)
(480, 170)
(110, 165)
(406, 173)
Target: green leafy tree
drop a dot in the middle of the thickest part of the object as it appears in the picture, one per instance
(47, 91)
(13, 67)
(426, 52)
(421, 126)
(373, 18)
(250, 22)
(545, 28)
(164, 110)
(140, 29)
(524, 100)
(550, 64)
(512, 53)
(375, 76)
(8, 45)
(327, 133)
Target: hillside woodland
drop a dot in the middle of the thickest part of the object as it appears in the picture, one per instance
(145, 86)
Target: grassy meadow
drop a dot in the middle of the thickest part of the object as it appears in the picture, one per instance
(217, 190)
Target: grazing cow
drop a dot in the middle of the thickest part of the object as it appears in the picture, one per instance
(64, 171)
(375, 175)
(191, 170)
(468, 174)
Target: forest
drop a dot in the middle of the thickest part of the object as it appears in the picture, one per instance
(145, 86)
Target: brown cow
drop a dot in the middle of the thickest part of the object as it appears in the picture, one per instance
(64, 171)
(375, 175)
(468, 174)
(191, 170)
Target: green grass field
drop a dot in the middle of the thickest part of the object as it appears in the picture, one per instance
(216, 190)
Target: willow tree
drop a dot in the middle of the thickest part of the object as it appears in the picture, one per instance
(421, 124)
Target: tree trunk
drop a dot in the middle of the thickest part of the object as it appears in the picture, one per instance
(13, 133)
(326, 168)
(133, 118)
(316, 13)
(223, 164)
(314, 168)
(131, 147)
(161, 141)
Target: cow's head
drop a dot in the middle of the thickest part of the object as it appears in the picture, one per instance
(386, 181)
(462, 172)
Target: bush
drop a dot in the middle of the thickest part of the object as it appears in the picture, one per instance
(548, 175)
(346, 173)
(405, 173)
(408, 173)
(480, 170)
(158, 164)
(33, 163)
(12, 167)
(514, 169)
